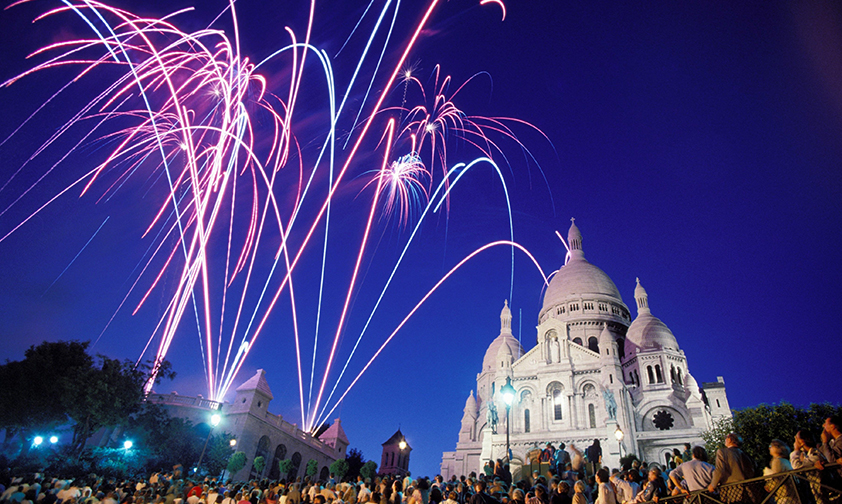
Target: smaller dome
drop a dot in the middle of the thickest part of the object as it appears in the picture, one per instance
(505, 339)
(471, 405)
(605, 337)
(504, 354)
(647, 332)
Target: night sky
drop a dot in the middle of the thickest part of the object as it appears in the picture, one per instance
(697, 144)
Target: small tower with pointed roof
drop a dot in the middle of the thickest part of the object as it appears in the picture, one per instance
(395, 459)
(335, 437)
(253, 396)
(469, 419)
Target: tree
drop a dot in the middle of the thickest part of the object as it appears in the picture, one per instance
(369, 470)
(761, 424)
(218, 452)
(312, 468)
(355, 460)
(104, 395)
(285, 466)
(339, 468)
(34, 388)
(236, 462)
(258, 464)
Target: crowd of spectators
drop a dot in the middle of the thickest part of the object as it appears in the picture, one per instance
(572, 477)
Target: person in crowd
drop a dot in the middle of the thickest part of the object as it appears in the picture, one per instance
(784, 490)
(561, 494)
(606, 493)
(655, 487)
(594, 456)
(695, 474)
(623, 489)
(480, 497)
(579, 493)
(805, 454)
(831, 447)
(732, 464)
(676, 457)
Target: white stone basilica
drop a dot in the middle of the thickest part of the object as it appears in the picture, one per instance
(592, 371)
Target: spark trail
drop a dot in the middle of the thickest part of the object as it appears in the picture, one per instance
(241, 200)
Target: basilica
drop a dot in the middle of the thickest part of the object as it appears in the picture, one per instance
(594, 373)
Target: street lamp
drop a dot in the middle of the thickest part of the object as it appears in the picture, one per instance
(37, 440)
(618, 435)
(508, 396)
(402, 444)
(53, 439)
(215, 418)
(232, 443)
(127, 444)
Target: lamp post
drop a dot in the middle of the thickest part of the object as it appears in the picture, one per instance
(508, 396)
(214, 422)
(618, 435)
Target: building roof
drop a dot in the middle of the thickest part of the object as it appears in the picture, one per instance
(257, 382)
(396, 438)
(647, 332)
(335, 431)
(578, 277)
(504, 339)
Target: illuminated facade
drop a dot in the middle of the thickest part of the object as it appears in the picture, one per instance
(593, 371)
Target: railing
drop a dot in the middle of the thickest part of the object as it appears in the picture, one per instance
(177, 400)
(801, 486)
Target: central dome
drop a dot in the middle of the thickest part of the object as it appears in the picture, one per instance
(578, 277)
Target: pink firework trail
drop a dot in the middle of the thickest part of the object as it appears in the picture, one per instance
(243, 202)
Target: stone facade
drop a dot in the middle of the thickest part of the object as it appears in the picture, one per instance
(260, 433)
(593, 371)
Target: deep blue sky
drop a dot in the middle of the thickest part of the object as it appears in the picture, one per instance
(697, 144)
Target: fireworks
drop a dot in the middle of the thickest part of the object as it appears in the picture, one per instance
(242, 197)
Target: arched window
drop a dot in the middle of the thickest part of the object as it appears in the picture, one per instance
(678, 376)
(557, 403)
(658, 374)
(275, 469)
(593, 344)
(262, 451)
(592, 416)
(555, 392)
(392, 461)
(610, 378)
(717, 404)
(672, 374)
(324, 474)
(578, 341)
(296, 463)
(526, 420)
(651, 374)
(621, 348)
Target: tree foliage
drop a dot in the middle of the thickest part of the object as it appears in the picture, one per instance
(258, 464)
(33, 393)
(369, 470)
(58, 382)
(236, 462)
(312, 468)
(355, 460)
(761, 424)
(339, 468)
(285, 466)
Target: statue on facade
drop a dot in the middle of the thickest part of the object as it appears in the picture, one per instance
(610, 404)
(491, 415)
